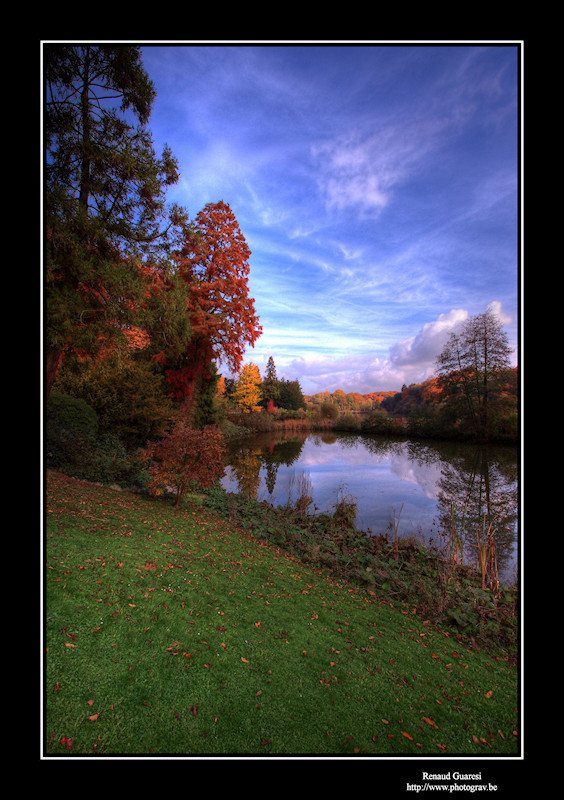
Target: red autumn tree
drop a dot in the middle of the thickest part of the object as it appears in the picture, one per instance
(186, 458)
(214, 263)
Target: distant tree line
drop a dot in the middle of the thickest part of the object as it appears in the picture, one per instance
(250, 392)
(344, 402)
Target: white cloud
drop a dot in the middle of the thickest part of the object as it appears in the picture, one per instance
(421, 350)
(409, 361)
(497, 311)
(361, 170)
(350, 176)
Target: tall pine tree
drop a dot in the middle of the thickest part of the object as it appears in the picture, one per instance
(270, 389)
(104, 197)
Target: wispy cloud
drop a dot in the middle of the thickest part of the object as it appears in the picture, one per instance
(377, 187)
(360, 172)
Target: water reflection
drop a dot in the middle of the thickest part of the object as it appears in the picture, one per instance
(449, 494)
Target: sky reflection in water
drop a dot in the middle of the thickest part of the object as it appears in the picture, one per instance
(426, 487)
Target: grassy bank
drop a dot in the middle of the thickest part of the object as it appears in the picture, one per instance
(433, 582)
(176, 631)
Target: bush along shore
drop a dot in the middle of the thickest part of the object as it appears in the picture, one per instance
(405, 571)
(224, 626)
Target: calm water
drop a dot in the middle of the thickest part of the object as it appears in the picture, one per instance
(423, 488)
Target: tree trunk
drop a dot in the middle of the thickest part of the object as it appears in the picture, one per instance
(190, 400)
(53, 358)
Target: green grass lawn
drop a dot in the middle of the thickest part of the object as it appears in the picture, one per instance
(168, 631)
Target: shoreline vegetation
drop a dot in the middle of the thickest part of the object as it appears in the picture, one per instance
(432, 582)
(378, 422)
(437, 581)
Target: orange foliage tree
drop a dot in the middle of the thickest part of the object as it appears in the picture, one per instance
(214, 263)
(186, 458)
(247, 392)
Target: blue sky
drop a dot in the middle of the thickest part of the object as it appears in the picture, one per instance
(376, 185)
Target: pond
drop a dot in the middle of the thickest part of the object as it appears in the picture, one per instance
(447, 494)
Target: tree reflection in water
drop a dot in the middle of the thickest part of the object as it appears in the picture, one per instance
(453, 492)
(267, 451)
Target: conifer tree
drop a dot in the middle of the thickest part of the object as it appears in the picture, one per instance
(270, 389)
(213, 261)
(104, 205)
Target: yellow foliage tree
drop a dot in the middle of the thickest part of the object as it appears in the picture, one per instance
(247, 392)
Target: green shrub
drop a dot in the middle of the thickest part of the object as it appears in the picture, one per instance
(328, 411)
(73, 446)
(284, 414)
(107, 462)
(377, 422)
(129, 398)
(72, 414)
(70, 430)
(349, 423)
